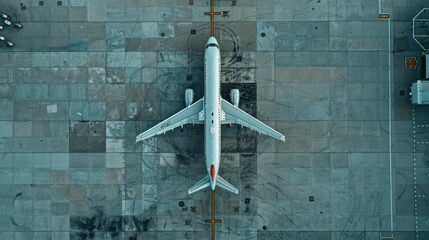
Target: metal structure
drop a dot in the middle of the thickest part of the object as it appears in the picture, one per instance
(421, 28)
(420, 89)
(420, 92)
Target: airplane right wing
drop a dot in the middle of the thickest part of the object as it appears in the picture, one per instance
(238, 116)
(190, 114)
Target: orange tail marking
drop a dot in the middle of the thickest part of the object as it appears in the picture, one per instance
(212, 172)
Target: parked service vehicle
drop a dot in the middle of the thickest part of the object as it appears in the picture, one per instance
(5, 16)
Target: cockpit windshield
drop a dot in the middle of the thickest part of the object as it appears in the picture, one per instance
(212, 45)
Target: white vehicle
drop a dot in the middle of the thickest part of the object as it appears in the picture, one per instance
(10, 44)
(18, 25)
(1, 27)
(7, 22)
(2, 38)
(5, 16)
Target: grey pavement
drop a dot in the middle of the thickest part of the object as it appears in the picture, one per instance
(87, 76)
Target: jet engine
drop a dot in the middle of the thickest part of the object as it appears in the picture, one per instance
(189, 96)
(234, 94)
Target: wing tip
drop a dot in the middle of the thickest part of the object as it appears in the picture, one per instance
(138, 139)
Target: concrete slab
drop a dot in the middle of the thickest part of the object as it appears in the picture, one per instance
(85, 77)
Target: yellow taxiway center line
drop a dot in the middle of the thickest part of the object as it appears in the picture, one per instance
(212, 13)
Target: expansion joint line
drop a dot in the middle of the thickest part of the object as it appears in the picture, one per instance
(415, 175)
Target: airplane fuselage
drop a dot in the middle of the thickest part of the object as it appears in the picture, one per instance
(212, 111)
(212, 108)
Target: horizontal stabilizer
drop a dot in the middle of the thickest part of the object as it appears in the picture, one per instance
(203, 183)
(220, 182)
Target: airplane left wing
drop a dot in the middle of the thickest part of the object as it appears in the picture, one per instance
(238, 116)
(188, 115)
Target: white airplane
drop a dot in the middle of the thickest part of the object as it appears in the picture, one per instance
(212, 111)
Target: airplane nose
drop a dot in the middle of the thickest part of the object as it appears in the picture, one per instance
(212, 40)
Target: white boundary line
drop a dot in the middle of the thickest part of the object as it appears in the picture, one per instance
(390, 125)
(379, 6)
(390, 55)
